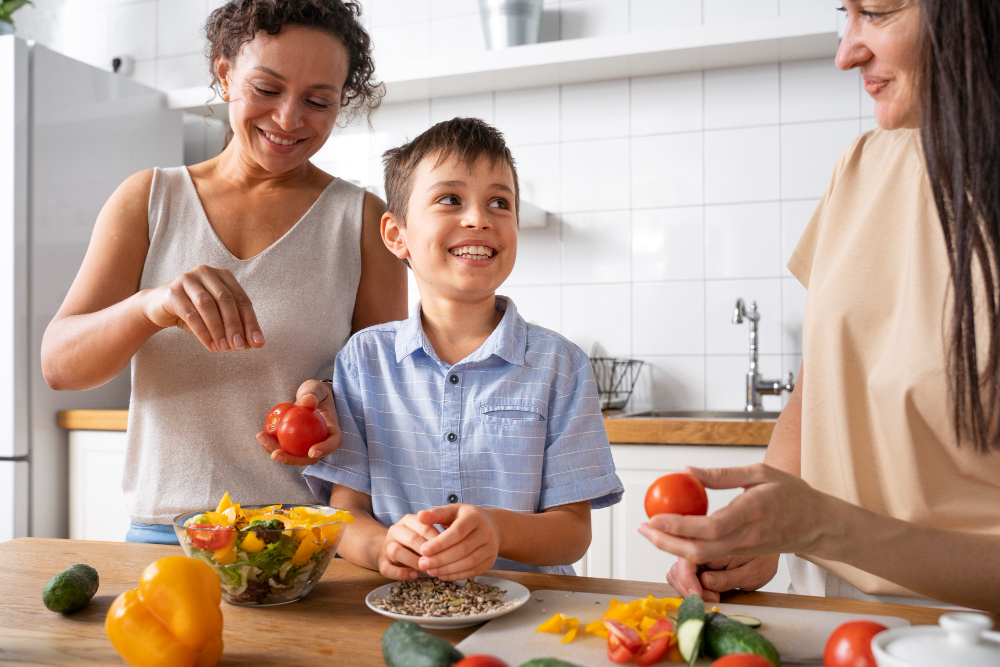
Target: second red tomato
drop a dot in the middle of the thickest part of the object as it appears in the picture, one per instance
(274, 416)
(299, 429)
(676, 493)
(850, 645)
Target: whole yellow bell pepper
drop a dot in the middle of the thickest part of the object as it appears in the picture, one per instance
(172, 620)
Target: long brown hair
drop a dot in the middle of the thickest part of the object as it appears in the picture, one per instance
(960, 129)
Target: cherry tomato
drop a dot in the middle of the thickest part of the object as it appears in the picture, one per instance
(654, 650)
(676, 493)
(850, 645)
(481, 661)
(617, 653)
(742, 660)
(300, 428)
(274, 416)
(210, 537)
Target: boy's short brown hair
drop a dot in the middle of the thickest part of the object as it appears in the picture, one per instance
(468, 139)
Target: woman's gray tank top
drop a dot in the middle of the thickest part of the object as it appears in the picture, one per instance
(194, 414)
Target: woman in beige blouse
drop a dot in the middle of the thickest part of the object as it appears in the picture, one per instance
(883, 473)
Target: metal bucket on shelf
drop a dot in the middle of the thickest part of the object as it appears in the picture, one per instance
(510, 22)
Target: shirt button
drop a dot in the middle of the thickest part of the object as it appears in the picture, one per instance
(453, 379)
(453, 498)
(452, 437)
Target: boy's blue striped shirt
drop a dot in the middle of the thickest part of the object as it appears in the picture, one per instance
(515, 425)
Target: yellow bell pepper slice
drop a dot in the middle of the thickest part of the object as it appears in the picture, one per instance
(646, 623)
(226, 555)
(307, 548)
(554, 624)
(597, 628)
(252, 543)
(172, 619)
(574, 624)
(224, 504)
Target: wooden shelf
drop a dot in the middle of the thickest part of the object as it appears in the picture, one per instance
(593, 59)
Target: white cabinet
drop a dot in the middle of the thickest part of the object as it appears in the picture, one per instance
(96, 501)
(617, 549)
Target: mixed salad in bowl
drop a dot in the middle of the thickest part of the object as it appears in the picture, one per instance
(263, 554)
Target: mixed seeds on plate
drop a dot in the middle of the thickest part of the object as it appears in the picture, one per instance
(434, 597)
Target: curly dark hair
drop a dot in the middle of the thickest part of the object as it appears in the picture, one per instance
(237, 22)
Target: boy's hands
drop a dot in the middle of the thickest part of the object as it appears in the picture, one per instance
(399, 558)
(312, 394)
(467, 547)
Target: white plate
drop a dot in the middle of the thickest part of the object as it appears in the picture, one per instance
(516, 593)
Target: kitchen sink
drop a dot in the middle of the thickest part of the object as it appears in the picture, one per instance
(699, 414)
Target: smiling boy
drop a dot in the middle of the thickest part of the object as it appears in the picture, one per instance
(472, 439)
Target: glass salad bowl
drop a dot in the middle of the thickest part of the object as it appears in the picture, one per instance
(264, 554)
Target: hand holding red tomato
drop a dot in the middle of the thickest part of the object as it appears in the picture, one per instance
(676, 493)
(314, 395)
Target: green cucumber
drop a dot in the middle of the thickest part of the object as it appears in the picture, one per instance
(71, 589)
(690, 623)
(724, 636)
(549, 662)
(406, 644)
(748, 621)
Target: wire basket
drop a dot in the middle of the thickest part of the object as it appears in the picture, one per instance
(615, 379)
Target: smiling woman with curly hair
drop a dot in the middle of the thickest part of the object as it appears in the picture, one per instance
(229, 284)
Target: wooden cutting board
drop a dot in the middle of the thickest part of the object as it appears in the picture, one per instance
(796, 633)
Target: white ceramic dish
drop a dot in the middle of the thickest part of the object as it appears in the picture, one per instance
(516, 593)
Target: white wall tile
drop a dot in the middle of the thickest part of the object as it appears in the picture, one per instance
(457, 36)
(182, 72)
(743, 241)
(742, 96)
(345, 144)
(670, 383)
(83, 34)
(724, 337)
(598, 318)
(725, 381)
(528, 116)
(793, 308)
(668, 318)
(730, 11)
(396, 124)
(596, 247)
(742, 165)
(592, 18)
(595, 175)
(145, 73)
(809, 8)
(795, 215)
(465, 106)
(597, 110)
(667, 170)
(448, 8)
(537, 304)
(180, 27)
(538, 172)
(667, 103)
(663, 14)
(668, 244)
(539, 256)
(410, 41)
(809, 153)
(398, 12)
(816, 90)
(132, 31)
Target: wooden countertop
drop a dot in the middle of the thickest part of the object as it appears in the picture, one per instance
(620, 431)
(330, 623)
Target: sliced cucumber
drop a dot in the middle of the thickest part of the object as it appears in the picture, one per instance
(748, 621)
(690, 623)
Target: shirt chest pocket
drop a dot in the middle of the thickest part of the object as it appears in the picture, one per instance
(513, 414)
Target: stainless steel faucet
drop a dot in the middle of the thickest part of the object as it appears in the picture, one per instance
(757, 386)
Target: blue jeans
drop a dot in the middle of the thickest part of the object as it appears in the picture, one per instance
(151, 533)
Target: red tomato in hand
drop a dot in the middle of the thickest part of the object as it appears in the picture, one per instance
(210, 537)
(742, 660)
(480, 661)
(676, 493)
(850, 645)
(274, 416)
(300, 428)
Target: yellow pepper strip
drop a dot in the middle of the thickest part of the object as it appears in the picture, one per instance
(674, 652)
(646, 623)
(574, 624)
(596, 628)
(714, 608)
(307, 548)
(226, 555)
(224, 504)
(554, 624)
(252, 543)
(172, 620)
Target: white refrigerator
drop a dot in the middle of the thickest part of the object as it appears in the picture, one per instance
(70, 133)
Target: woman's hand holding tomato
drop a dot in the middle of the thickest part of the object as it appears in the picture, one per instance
(777, 513)
(676, 493)
(311, 394)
